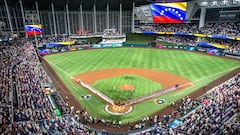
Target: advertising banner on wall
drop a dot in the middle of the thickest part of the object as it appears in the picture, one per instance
(106, 45)
(214, 52)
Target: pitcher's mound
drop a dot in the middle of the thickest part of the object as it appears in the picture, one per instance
(126, 87)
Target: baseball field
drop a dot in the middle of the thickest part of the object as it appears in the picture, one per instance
(127, 73)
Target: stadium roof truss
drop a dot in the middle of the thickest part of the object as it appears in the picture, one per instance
(113, 4)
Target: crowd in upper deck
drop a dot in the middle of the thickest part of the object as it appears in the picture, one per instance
(221, 28)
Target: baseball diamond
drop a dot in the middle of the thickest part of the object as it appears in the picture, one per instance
(166, 79)
(166, 67)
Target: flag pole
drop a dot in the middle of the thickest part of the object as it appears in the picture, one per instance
(35, 36)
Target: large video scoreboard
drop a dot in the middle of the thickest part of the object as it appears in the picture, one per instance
(162, 12)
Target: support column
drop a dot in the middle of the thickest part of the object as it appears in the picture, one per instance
(54, 21)
(202, 17)
(81, 16)
(38, 16)
(16, 22)
(94, 18)
(68, 21)
(50, 24)
(87, 16)
(9, 18)
(23, 16)
(107, 21)
(65, 23)
(58, 26)
(133, 18)
(120, 19)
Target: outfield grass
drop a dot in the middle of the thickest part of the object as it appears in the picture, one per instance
(110, 87)
(198, 68)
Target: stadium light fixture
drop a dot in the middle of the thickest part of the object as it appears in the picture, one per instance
(237, 1)
(225, 1)
(204, 3)
(214, 2)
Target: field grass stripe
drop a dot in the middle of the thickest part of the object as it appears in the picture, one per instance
(216, 74)
(65, 58)
(69, 75)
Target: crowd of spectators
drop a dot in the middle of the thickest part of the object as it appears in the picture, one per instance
(231, 29)
(33, 104)
(234, 49)
(224, 28)
(232, 126)
(52, 39)
(218, 28)
(178, 40)
(234, 45)
(169, 28)
(5, 84)
(218, 106)
(26, 109)
(214, 110)
(34, 112)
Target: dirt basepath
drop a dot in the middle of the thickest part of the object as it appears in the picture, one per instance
(164, 78)
(62, 89)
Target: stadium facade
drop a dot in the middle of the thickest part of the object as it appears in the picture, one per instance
(66, 17)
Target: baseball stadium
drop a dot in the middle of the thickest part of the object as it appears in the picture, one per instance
(120, 67)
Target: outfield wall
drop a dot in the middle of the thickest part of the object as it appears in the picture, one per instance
(209, 51)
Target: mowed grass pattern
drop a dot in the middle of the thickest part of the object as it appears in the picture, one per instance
(110, 87)
(198, 68)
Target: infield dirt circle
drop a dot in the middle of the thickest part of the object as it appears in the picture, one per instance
(118, 109)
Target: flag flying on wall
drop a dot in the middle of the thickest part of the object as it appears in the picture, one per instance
(169, 12)
(33, 29)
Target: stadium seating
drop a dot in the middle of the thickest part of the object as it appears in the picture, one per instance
(22, 96)
(221, 29)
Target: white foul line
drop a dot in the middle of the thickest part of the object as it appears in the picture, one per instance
(75, 88)
(215, 74)
(60, 69)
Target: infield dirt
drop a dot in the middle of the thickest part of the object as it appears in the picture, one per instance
(164, 78)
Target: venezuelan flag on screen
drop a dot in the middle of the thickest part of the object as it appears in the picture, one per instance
(169, 12)
(31, 29)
